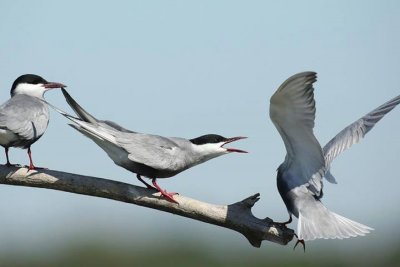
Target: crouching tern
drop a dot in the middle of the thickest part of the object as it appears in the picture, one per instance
(24, 117)
(148, 155)
(299, 178)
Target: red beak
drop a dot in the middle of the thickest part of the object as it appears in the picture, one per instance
(52, 85)
(233, 139)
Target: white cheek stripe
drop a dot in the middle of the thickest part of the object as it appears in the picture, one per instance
(210, 148)
(36, 90)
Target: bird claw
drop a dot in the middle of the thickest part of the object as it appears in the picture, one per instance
(34, 168)
(300, 241)
(169, 195)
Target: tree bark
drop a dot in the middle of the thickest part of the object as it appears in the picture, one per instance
(237, 216)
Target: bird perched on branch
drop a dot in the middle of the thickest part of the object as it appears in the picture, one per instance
(148, 155)
(24, 117)
(299, 179)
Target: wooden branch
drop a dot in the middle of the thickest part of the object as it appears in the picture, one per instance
(237, 216)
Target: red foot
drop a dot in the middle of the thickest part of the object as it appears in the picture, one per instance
(33, 168)
(169, 196)
(164, 193)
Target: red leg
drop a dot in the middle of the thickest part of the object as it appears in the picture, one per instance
(164, 193)
(31, 166)
(145, 183)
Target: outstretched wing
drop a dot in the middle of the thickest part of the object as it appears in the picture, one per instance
(292, 110)
(353, 133)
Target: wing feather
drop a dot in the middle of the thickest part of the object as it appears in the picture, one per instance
(154, 151)
(356, 131)
(292, 110)
(32, 124)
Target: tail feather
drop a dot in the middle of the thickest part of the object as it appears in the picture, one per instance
(316, 221)
(80, 111)
(65, 114)
(93, 131)
(87, 128)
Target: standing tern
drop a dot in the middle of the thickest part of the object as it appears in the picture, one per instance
(299, 177)
(24, 117)
(148, 155)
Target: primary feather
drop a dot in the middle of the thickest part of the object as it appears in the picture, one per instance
(356, 131)
(292, 110)
(299, 178)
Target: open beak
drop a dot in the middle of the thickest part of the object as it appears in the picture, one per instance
(233, 139)
(52, 85)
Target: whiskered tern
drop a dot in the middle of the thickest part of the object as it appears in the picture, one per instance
(148, 155)
(299, 179)
(24, 117)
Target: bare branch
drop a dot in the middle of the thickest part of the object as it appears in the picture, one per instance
(237, 216)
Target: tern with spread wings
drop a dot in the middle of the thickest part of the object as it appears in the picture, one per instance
(299, 179)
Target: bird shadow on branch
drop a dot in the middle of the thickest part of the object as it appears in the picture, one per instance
(237, 216)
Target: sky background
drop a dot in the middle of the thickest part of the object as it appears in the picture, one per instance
(188, 68)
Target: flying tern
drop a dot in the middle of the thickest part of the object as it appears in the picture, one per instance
(299, 177)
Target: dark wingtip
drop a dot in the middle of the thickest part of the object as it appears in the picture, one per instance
(81, 112)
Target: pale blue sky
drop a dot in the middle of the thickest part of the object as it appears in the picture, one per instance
(186, 68)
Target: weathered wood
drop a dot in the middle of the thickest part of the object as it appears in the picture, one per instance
(237, 216)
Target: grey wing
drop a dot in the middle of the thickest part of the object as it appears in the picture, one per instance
(139, 147)
(115, 126)
(292, 110)
(154, 151)
(24, 116)
(353, 133)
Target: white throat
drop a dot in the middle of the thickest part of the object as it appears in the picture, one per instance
(35, 90)
(208, 151)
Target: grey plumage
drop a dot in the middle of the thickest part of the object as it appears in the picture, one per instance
(353, 133)
(299, 179)
(148, 155)
(24, 117)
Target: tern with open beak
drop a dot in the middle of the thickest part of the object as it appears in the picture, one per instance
(148, 155)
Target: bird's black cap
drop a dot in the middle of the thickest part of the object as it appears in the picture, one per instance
(208, 139)
(27, 78)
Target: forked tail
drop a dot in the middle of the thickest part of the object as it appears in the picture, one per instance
(80, 111)
(316, 221)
